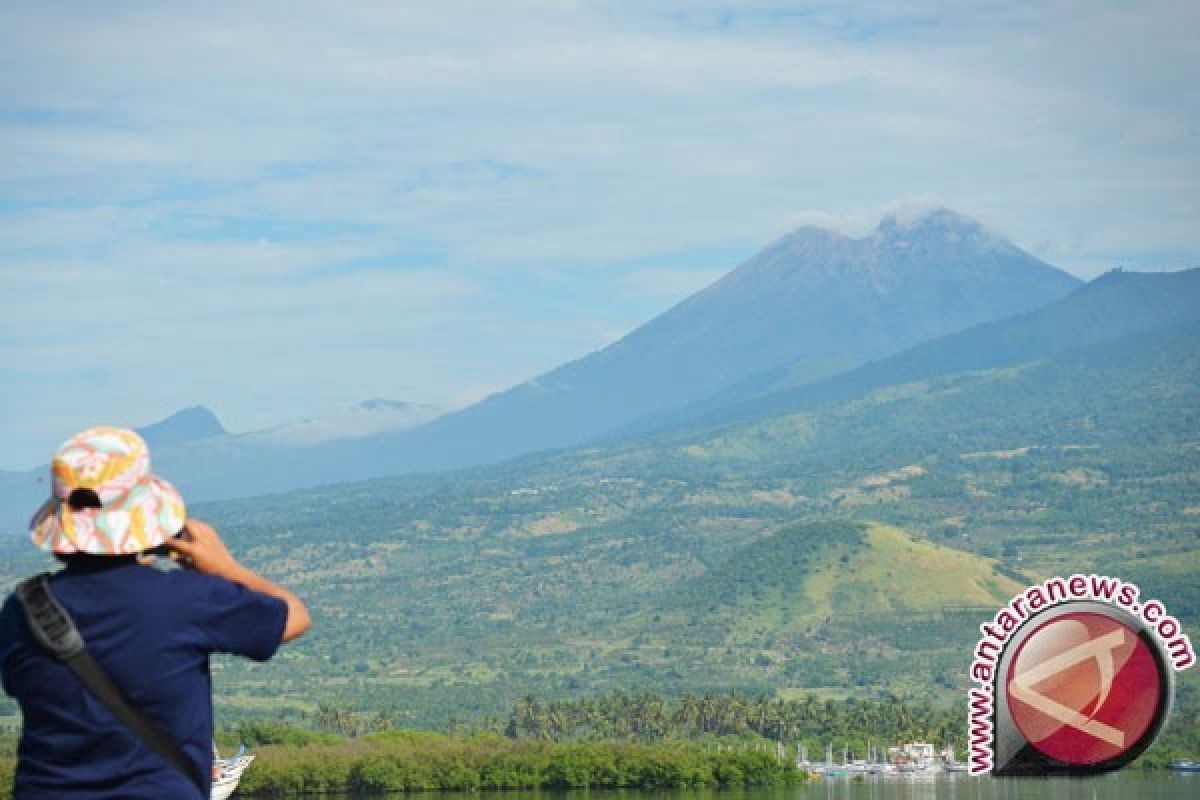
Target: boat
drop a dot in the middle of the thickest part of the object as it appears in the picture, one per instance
(227, 772)
(826, 769)
(1185, 765)
(875, 763)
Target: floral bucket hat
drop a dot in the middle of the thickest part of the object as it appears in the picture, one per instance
(104, 500)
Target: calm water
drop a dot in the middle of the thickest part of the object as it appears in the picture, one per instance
(1121, 786)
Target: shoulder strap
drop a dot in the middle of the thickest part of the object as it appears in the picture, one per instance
(55, 631)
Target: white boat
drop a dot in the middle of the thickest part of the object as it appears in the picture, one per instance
(227, 772)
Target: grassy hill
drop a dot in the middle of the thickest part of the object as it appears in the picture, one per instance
(824, 604)
(897, 573)
(806, 573)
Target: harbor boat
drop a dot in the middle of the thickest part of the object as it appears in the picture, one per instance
(915, 758)
(875, 763)
(828, 769)
(1185, 765)
(227, 772)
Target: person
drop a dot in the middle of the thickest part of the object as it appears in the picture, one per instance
(151, 630)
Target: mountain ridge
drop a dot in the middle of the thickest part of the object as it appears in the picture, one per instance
(789, 303)
(1114, 305)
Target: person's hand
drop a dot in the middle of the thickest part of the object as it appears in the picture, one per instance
(201, 549)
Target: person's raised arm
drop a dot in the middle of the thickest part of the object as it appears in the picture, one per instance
(201, 549)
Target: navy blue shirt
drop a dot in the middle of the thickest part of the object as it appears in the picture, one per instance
(152, 632)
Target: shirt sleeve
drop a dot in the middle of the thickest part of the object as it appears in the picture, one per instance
(236, 620)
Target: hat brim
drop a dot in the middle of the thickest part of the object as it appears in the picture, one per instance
(147, 516)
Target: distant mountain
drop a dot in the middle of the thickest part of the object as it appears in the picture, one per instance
(189, 425)
(814, 300)
(22, 491)
(193, 441)
(1115, 305)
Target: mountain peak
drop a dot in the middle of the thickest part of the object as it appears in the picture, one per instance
(806, 233)
(187, 425)
(919, 243)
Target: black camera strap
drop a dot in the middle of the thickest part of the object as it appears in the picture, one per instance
(55, 631)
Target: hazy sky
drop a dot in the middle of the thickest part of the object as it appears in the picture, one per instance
(278, 208)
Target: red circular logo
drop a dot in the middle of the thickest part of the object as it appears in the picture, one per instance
(1084, 688)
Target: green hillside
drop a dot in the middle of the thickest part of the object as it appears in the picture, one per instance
(851, 547)
(649, 564)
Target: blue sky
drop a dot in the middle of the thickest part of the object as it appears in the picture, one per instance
(280, 208)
